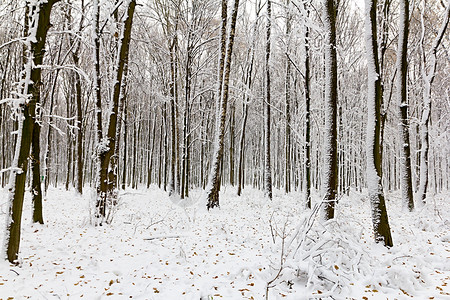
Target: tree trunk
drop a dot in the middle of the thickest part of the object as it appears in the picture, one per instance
(166, 150)
(160, 166)
(153, 139)
(38, 15)
(307, 116)
(48, 152)
(133, 166)
(36, 190)
(79, 185)
(101, 147)
(68, 139)
(248, 79)
(267, 163)
(173, 118)
(330, 152)
(232, 141)
(125, 142)
(187, 92)
(426, 114)
(287, 93)
(402, 70)
(380, 221)
(214, 176)
(106, 146)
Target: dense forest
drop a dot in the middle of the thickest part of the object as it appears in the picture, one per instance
(316, 101)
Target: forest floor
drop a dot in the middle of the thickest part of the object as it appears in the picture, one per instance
(165, 248)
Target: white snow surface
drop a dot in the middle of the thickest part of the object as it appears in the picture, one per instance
(165, 248)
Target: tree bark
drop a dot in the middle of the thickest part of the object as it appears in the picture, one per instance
(38, 15)
(307, 116)
(125, 142)
(248, 80)
(428, 78)
(287, 93)
(106, 147)
(214, 177)
(402, 70)
(232, 141)
(330, 151)
(267, 163)
(173, 116)
(380, 221)
(152, 150)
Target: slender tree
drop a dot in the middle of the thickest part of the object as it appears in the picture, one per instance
(173, 104)
(287, 92)
(330, 151)
(402, 70)
(106, 146)
(248, 80)
(267, 164)
(307, 85)
(38, 15)
(380, 221)
(101, 148)
(428, 78)
(79, 122)
(212, 190)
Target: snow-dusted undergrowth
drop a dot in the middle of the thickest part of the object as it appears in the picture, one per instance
(166, 248)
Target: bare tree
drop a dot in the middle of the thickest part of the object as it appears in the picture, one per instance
(38, 15)
(213, 187)
(402, 70)
(330, 152)
(247, 80)
(307, 83)
(287, 91)
(380, 221)
(267, 164)
(106, 146)
(428, 78)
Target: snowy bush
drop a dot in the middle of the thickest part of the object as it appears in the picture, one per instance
(330, 258)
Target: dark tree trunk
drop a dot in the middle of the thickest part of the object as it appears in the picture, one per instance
(125, 142)
(36, 190)
(160, 164)
(232, 141)
(166, 150)
(287, 91)
(428, 79)
(107, 147)
(214, 177)
(402, 70)
(152, 150)
(133, 166)
(248, 79)
(382, 231)
(173, 118)
(267, 163)
(330, 151)
(79, 185)
(41, 17)
(184, 164)
(307, 118)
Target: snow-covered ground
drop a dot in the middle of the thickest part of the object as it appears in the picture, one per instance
(162, 248)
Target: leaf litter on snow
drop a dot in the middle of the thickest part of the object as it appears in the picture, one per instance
(161, 247)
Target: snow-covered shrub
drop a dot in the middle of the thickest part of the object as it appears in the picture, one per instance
(330, 258)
